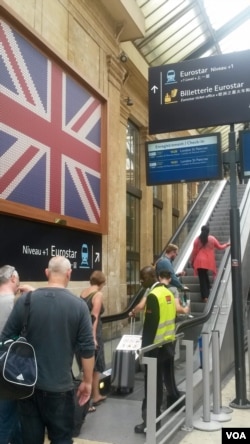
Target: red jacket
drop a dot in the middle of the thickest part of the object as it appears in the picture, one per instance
(203, 256)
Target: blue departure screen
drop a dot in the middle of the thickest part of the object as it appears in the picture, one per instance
(185, 159)
(245, 153)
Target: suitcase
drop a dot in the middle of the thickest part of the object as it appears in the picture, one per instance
(124, 361)
(123, 371)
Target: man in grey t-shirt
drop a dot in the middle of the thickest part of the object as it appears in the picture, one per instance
(59, 323)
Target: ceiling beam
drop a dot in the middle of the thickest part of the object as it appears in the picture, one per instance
(221, 33)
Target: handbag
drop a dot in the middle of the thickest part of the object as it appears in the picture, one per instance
(18, 366)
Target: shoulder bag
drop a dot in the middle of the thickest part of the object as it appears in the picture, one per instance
(18, 366)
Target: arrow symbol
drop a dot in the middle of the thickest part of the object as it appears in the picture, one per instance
(97, 257)
(154, 88)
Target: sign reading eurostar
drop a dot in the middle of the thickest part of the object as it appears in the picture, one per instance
(32, 244)
(200, 93)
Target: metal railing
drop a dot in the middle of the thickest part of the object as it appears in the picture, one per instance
(169, 423)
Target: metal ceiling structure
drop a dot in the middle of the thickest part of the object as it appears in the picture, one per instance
(178, 30)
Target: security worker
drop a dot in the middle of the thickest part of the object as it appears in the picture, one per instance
(159, 325)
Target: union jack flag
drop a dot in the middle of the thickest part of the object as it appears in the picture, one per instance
(50, 133)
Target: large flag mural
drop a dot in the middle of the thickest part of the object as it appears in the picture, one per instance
(50, 133)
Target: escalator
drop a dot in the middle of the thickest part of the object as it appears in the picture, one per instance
(205, 203)
(212, 207)
(217, 312)
(219, 225)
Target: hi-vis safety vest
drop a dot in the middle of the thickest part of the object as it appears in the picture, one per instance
(166, 326)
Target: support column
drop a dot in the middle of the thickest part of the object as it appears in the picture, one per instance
(146, 223)
(114, 245)
(240, 367)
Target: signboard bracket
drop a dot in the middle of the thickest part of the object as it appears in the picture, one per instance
(230, 156)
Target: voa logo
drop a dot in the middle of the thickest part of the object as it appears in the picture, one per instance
(231, 434)
(236, 435)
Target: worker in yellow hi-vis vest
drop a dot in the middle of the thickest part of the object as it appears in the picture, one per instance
(158, 325)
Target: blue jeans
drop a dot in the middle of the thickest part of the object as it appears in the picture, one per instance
(10, 431)
(51, 410)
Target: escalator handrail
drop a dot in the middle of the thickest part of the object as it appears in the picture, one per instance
(186, 248)
(214, 293)
(209, 305)
(137, 297)
(180, 227)
(125, 314)
(201, 319)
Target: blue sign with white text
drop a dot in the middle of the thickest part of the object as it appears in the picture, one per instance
(244, 146)
(184, 159)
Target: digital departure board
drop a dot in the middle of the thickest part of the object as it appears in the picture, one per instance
(184, 159)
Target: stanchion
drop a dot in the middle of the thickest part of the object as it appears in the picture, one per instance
(205, 423)
(200, 349)
(248, 348)
(188, 426)
(219, 413)
(151, 399)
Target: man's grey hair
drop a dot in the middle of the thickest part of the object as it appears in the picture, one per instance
(6, 272)
(59, 264)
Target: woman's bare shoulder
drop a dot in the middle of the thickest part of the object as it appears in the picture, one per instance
(85, 292)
